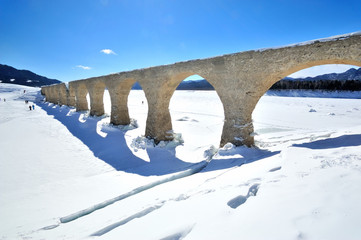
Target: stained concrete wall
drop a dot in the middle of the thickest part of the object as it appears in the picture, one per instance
(239, 79)
(63, 99)
(81, 91)
(96, 88)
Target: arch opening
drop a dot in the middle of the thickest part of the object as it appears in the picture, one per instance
(88, 100)
(137, 106)
(107, 102)
(306, 102)
(197, 114)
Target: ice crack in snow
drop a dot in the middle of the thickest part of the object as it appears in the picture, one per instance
(195, 169)
(126, 220)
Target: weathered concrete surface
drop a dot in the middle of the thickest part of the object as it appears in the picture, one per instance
(96, 92)
(71, 96)
(239, 79)
(119, 90)
(81, 103)
(63, 98)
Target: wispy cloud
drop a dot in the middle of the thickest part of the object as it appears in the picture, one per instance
(108, 51)
(84, 67)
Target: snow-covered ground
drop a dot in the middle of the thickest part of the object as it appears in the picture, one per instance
(65, 175)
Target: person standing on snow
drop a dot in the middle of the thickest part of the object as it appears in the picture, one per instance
(29, 107)
(33, 107)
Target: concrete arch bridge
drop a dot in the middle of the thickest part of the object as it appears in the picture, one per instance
(240, 80)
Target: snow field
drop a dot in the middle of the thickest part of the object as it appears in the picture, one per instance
(302, 182)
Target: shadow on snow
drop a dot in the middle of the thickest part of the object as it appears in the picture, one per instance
(113, 149)
(341, 141)
(237, 156)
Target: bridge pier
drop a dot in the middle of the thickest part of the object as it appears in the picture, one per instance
(238, 105)
(159, 123)
(54, 95)
(63, 99)
(81, 103)
(96, 94)
(45, 91)
(71, 96)
(237, 128)
(119, 92)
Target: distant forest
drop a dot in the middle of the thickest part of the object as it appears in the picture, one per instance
(330, 85)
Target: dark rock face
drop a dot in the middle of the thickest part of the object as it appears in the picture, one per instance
(23, 77)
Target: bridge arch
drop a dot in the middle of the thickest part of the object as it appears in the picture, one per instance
(269, 79)
(304, 66)
(159, 93)
(274, 64)
(208, 105)
(297, 67)
(137, 104)
(274, 78)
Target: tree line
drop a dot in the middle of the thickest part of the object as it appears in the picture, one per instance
(330, 85)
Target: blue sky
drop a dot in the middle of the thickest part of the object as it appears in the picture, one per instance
(75, 39)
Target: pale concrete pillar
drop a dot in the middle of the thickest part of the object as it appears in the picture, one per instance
(238, 126)
(119, 91)
(159, 123)
(54, 95)
(45, 91)
(71, 96)
(49, 94)
(238, 102)
(62, 94)
(96, 94)
(81, 91)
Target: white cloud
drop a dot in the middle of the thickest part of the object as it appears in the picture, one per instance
(108, 51)
(83, 67)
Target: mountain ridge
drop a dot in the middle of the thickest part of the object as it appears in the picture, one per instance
(12, 75)
(351, 74)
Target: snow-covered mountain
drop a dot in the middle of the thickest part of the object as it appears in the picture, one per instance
(346, 81)
(351, 74)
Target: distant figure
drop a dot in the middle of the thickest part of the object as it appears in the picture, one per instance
(24, 91)
(4, 100)
(29, 107)
(33, 107)
(142, 102)
(26, 101)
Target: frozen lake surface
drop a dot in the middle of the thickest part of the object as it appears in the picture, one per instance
(65, 175)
